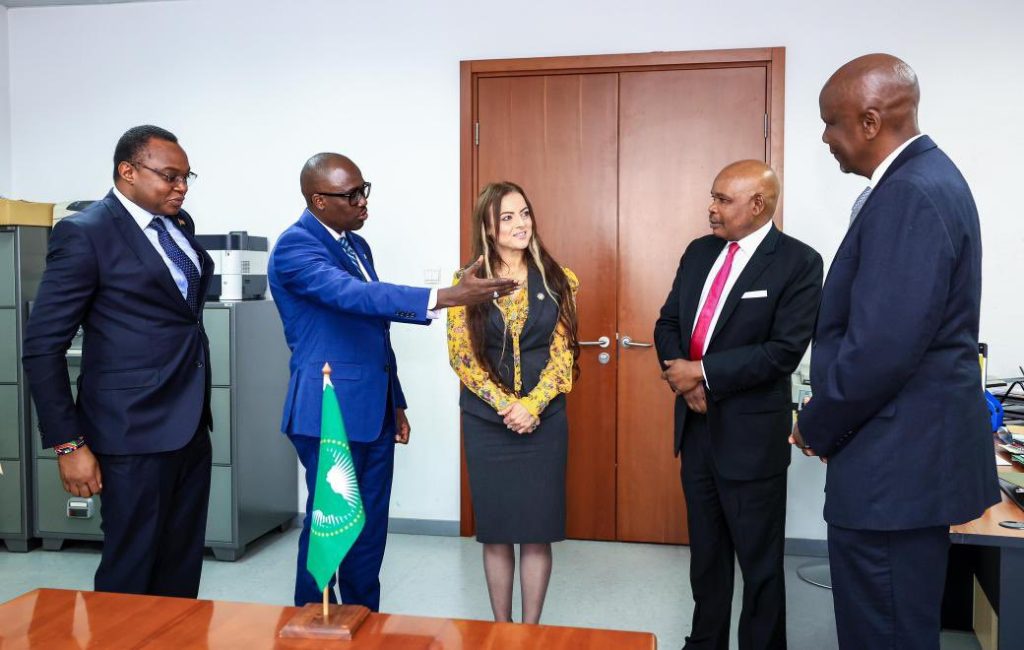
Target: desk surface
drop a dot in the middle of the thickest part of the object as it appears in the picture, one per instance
(58, 618)
(985, 530)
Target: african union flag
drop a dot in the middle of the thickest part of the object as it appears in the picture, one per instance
(338, 515)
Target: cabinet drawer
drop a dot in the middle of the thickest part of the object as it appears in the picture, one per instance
(217, 323)
(220, 406)
(219, 516)
(8, 345)
(10, 422)
(52, 506)
(11, 498)
(7, 270)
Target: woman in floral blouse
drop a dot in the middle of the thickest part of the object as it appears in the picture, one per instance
(516, 358)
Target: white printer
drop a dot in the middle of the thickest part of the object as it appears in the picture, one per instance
(239, 265)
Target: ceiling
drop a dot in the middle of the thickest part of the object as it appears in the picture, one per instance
(51, 3)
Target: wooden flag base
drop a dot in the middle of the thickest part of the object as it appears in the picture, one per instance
(342, 622)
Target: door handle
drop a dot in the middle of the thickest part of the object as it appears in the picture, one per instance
(627, 343)
(602, 342)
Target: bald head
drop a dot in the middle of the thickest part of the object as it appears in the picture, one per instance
(319, 170)
(874, 99)
(743, 198)
(756, 178)
(335, 191)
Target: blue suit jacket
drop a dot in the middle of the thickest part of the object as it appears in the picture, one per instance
(898, 407)
(332, 315)
(144, 385)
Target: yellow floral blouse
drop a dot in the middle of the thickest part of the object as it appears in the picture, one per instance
(555, 378)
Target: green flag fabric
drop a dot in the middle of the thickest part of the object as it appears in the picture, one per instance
(338, 515)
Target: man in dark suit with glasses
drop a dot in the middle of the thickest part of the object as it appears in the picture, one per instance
(128, 270)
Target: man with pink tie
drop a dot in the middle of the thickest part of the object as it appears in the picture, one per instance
(733, 328)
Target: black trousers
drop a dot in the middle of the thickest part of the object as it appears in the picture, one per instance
(154, 510)
(887, 586)
(729, 520)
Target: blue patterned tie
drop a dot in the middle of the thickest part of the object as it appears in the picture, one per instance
(180, 260)
(859, 203)
(346, 246)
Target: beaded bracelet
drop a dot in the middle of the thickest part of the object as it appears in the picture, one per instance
(69, 447)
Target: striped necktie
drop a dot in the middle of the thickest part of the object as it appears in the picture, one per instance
(350, 252)
(859, 203)
(181, 260)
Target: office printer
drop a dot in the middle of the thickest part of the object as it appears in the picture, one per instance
(239, 265)
(68, 208)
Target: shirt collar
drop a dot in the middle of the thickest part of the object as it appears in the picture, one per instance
(331, 231)
(750, 243)
(139, 215)
(885, 164)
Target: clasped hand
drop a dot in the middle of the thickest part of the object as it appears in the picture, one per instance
(686, 379)
(518, 419)
(795, 438)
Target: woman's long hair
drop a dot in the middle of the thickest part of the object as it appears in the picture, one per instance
(556, 284)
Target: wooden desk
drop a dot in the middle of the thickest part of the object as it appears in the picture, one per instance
(58, 618)
(997, 562)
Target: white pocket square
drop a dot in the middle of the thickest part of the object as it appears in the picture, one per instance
(761, 293)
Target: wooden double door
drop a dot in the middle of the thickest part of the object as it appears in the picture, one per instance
(617, 155)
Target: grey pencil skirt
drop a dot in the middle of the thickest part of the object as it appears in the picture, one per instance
(517, 481)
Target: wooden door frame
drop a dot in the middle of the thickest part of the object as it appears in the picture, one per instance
(772, 58)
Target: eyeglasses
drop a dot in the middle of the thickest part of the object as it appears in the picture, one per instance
(187, 179)
(353, 196)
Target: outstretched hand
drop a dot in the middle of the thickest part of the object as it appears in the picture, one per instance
(473, 289)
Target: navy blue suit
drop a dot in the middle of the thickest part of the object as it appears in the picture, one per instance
(898, 407)
(143, 393)
(332, 314)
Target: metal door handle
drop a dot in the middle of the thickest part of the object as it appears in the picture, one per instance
(630, 343)
(602, 342)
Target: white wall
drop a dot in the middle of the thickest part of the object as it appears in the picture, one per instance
(5, 107)
(253, 88)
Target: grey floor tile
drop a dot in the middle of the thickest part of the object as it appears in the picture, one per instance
(594, 584)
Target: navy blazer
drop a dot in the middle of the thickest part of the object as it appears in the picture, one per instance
(331, 314)
(144, 385)
(754, 348)
(898, 407)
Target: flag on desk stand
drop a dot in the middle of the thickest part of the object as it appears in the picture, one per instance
(338, 515)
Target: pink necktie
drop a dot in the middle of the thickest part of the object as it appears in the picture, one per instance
(707, 312)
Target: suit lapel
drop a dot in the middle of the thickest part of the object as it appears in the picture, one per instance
(144, 251)
(315, 228)
(763, 257)
(917, 147)
(362, 250)
(694, 286)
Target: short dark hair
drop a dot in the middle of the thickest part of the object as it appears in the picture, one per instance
(135, 140)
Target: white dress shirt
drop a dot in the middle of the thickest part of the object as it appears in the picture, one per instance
(431, 299)
(143, 218)
(746, 250)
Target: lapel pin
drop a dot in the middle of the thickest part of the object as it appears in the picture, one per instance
(540, 295)
(181, 222)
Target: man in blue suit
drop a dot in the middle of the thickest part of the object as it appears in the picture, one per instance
(336, 310)
(898, 410)
(128, 270)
